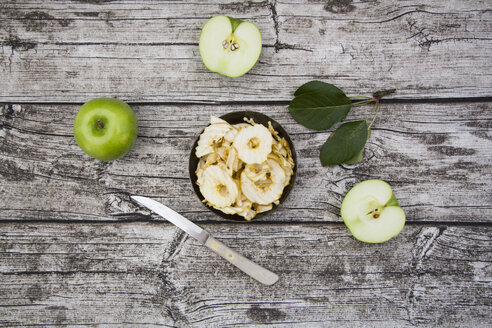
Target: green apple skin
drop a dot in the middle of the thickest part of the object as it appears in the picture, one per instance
(371, 212)
(105, 128)
(225, 59)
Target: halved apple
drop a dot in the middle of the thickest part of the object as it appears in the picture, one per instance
(229, 46)
(371, 212)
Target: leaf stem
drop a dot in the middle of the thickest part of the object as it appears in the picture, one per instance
(362, 102)
(372, 112)
(376, 114)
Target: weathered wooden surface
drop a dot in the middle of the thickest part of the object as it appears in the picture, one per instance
(67, 51)
(142, 274)
(448, 143)
(74, 251)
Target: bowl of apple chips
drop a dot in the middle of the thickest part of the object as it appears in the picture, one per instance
(243, 165)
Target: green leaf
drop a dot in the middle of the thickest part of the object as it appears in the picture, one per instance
(313, 86)
(356, 159)
(318, 105)
(360, 156)
(344, 144)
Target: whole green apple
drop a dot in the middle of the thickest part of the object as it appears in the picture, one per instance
(105, 128)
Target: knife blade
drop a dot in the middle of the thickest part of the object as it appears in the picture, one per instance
(247, 266)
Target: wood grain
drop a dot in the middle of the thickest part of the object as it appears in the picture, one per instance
(437, 157)
(75, 251)
(67, 51)
(149, 274)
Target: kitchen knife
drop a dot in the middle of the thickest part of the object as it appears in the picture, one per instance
(249, 267)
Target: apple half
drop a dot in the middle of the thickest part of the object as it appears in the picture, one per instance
(371, 212)
(229, 46)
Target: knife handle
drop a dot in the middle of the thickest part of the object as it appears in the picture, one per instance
(249, 267)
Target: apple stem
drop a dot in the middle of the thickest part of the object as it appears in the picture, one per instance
(100, 124)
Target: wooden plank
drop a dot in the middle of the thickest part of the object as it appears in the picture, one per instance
(64, 51)
(148, 274)
(437, 157)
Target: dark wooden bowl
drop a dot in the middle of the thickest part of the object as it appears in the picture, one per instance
(234, 118)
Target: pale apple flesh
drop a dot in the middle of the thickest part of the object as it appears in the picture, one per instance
(371, 212)
(229, 46)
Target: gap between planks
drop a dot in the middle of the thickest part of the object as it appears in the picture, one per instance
(264, 102)
(162, 221)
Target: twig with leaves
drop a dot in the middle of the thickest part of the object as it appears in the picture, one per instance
(318, 105)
